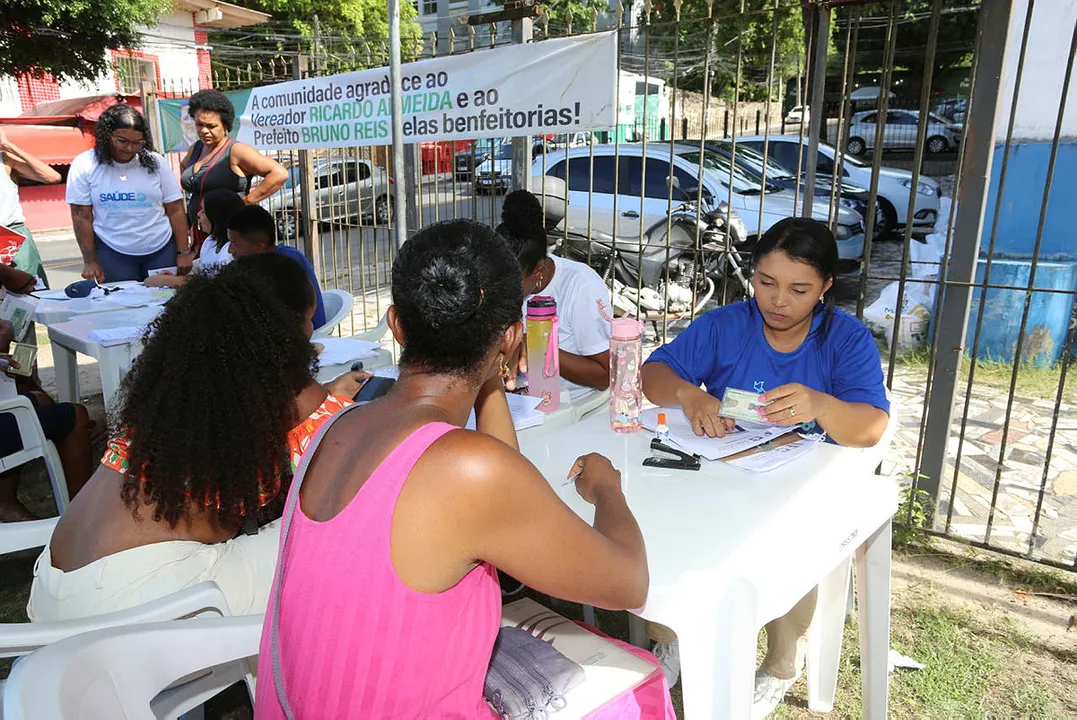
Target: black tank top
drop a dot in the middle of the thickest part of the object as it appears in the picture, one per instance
(214, 175)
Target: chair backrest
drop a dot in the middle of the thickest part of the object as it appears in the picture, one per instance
(17, 639)
(15, 536)
(34, 445)
(338, 305)
(117, 672)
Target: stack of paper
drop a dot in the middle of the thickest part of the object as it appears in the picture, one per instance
(524, 411)
(608, 670)
(340, 351)
(746, 436)
(108, 337)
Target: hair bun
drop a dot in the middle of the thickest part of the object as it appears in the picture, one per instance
(448, 290)
(522, 214)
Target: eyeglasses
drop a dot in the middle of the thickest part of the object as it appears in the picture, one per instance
(124, 142)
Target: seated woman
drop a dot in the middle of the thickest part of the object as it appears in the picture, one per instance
(217, 206)
(397, 537)
(583, 333)
(215, 413)
(814, 365)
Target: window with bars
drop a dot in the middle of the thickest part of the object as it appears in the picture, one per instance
(131, 72)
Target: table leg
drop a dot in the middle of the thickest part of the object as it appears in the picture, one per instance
(873, 591)
(67, 373)
(113, 363)
(825, 637)
(718, 662)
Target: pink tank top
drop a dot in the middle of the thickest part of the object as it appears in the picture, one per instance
(352, 640)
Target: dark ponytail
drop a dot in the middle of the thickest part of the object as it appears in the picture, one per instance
(524, 229)
(808, 241)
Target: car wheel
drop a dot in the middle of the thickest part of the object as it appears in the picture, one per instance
(937, 144)
(885, 218)
(856, 146)
(289, 225)
(383, 210)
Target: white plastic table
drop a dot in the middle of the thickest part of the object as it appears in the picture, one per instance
(51, 311)
(73, 337)
(729, 551)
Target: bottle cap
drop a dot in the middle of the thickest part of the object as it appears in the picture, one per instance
(626, 328)
(661, 418)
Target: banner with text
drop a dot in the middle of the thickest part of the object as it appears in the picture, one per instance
(542, 88)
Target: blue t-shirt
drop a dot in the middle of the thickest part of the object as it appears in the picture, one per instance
(726, 348)
(319, 311)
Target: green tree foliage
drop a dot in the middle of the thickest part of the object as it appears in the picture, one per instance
(755, 34)
(68, 39)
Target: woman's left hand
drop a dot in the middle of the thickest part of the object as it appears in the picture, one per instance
(348, 384)
(184, 263)
(792, 404)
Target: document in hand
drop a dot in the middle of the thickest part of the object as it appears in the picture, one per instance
(746, 436)
(340, 351)
(19, 311)
(608, 669)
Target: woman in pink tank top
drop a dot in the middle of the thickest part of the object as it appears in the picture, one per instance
(386, 600)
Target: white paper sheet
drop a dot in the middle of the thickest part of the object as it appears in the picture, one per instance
(746, 436)
(108, 337)
(340, 351)
(776, 457)
(524, 411)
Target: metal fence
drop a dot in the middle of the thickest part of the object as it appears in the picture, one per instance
(770, 109)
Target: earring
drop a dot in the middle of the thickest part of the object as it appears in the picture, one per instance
(505, 370)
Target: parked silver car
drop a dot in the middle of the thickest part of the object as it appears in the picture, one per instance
(900, 132)
(343, 189)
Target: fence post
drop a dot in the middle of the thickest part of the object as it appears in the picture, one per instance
(725, 123)
(758, 117)
(308, 208)
(402, 192)
(953, 305)
(817, 82)
(522, 32)
(150, 111)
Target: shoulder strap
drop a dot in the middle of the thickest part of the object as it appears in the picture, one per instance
(278, 581)
(213, 162)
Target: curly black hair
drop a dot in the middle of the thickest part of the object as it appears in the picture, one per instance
(122, 117)
(456, 288)
(208, 405)
(213, 101)
(524, 229)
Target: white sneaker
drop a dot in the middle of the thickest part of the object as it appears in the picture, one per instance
(669, 654)
(769, 691)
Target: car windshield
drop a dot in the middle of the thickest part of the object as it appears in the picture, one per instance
(755, 162)
(740, 179)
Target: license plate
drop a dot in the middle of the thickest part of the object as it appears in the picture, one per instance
(485, 182)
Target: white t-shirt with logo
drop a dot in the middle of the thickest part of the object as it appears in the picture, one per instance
(128, 201)
(579, 293)
(209, 256)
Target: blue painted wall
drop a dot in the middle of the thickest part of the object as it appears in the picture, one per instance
(1026, 178)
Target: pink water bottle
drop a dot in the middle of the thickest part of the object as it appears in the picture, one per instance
(543, 359)
(626, 383)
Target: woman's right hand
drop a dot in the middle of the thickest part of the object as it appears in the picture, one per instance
(92, 271)
(701, 408)
(593, 474)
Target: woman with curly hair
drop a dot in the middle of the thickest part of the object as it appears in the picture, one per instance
(212, 418)
(217, 162)
(126, 205)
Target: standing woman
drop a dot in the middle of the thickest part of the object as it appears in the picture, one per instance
(217, 162)
(126, 205)
(17, 162)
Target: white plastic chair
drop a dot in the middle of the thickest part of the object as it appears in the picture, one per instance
(16, 536)
(376, 333)
(132, 671)
(338, 305)
(34, 446)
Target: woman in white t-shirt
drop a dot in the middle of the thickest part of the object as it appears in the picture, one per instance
(213, 213)
(582, 297)
(126, 204)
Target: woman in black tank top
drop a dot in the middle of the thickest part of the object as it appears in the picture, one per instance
(217, 162)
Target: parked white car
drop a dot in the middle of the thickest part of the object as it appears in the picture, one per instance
(343, 189)
(895, 186)
(798, 114)
(900, 132)
(638, 201)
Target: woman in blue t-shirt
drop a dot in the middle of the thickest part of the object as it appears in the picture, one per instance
(818, 367)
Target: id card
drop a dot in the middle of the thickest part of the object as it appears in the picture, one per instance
(741, 405)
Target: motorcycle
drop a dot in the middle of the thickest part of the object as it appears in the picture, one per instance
(667, 274)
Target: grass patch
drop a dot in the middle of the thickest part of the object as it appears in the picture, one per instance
(975, 667)
(1020, 575)
(1033, 381)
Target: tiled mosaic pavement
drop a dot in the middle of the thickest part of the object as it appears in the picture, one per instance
(1022, 472)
